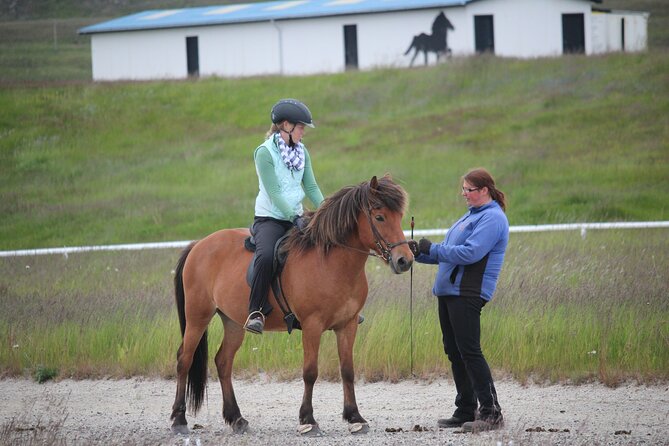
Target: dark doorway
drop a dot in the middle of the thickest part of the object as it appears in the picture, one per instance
(484, 34)
(351, 47)
(573, 33)
(192, 56)
(622, 33)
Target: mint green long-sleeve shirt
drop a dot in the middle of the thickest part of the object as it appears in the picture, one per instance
(281, 190)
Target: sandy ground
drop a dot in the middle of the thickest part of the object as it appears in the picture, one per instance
(137, 411)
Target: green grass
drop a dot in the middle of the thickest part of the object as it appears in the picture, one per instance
(568, 139)
(567, 310)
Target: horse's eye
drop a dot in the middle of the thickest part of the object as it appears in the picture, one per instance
(379, 218)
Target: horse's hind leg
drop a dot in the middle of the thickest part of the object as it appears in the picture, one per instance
(232, 340)
(178, 417)
(193, 337)
(345, 340)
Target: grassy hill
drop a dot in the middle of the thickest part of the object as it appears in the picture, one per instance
(568, 139)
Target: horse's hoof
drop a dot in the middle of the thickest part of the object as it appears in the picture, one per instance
(309, 430)
(358, 428)
(240, 426)
(181, 429)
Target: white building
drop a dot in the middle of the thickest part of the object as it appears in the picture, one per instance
(619, 31)
(299, 37)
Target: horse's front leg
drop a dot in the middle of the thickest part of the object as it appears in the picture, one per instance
(232, 340)
(345, 340)
(415, 54)
(311, 341)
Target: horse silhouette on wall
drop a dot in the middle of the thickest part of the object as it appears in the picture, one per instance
(436, 42)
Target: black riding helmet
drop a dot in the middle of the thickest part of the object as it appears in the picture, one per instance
(293, 111)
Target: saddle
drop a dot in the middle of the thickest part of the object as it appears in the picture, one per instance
(279, 260)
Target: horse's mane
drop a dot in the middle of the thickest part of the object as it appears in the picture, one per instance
(337, 217)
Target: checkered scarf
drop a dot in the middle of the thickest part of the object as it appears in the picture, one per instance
(293, 157)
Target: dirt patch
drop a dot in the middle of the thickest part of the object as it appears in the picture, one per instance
(136, 411)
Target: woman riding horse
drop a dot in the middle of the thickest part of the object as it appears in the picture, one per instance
(285, 175)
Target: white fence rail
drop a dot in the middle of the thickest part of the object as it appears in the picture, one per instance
(582, 227)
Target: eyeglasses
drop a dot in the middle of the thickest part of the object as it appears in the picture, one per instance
(470, 189)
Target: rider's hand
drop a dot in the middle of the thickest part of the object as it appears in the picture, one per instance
(299, 223)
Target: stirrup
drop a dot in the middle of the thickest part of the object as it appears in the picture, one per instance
(248, 319)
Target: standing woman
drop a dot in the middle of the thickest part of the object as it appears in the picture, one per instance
(285, 176)
(470, 259)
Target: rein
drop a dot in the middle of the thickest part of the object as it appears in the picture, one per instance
(369, 253)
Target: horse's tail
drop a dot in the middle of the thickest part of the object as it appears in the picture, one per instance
(197, 375)
(413, 43)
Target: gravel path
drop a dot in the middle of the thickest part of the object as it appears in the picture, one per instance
(136, 411)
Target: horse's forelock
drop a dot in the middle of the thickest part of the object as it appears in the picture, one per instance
(390, 195)
(338, 216)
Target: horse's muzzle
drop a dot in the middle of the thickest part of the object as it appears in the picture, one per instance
(401, 264)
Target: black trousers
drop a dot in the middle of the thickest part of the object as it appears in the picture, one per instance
(266, 232)
(460, 319)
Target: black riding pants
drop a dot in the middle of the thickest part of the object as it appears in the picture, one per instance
(266, 232)
(460, 319)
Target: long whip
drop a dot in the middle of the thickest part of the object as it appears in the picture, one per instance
(411, 308)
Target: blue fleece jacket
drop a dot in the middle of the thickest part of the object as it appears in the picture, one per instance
(470, 257)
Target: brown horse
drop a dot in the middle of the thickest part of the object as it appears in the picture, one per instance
(323, 282)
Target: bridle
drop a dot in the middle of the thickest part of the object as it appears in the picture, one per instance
(383, 246)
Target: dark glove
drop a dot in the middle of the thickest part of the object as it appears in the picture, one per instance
(424, 246)
(299, 223)
(413, 246)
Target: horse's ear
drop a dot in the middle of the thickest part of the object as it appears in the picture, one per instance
(374, 183)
